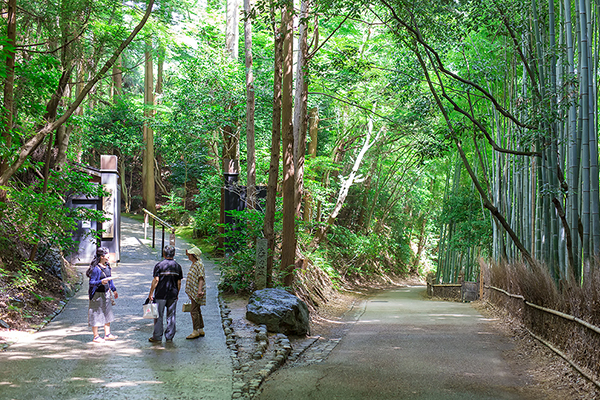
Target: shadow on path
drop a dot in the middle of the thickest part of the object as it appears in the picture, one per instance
(407, 347)
(61, 362)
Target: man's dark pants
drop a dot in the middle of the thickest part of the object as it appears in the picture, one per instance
(171, 307)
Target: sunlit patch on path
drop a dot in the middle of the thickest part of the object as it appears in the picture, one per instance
(62, 362)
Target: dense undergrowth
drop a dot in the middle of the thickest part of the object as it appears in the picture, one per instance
(345, 257)
(35, 235)
(30, 293)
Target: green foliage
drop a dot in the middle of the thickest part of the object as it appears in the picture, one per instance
(361, 256)
(344, 65)
(42, 298)
(173, 210)
(113, 129)
(26, 276)
(237, 272)
(208, 205)
(470, 226)
(38, 79)
(237, 268)
(321, 260)
(204, 97)
(34, 217)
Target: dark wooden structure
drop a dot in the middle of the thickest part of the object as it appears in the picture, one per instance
(110, 236)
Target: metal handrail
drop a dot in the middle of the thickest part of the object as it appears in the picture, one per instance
(164, 224)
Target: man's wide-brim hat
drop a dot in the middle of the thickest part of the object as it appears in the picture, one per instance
(195, 251)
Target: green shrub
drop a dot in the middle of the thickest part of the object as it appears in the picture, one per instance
(32, 217)
(239, 238)
(173, 210)
(26, 277)
(358, 255)
(205, 218)
(237, 272)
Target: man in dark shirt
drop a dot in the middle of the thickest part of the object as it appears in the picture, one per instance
(165, 290)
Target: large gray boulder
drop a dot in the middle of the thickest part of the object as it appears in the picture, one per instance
(279, 310)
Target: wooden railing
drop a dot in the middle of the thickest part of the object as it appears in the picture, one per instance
(551, 346)
(548, 310)
(147, 215)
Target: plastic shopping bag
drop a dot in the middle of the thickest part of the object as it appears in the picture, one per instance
(150, 311)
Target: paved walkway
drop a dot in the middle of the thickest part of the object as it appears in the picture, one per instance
(407, 347)
(61, 362)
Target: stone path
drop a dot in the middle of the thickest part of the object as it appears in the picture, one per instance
(61, 362)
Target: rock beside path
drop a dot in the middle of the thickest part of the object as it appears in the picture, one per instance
(279, 310)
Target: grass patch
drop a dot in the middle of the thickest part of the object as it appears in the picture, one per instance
(137, 217)
(187, 233)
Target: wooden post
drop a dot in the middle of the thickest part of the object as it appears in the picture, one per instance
(481, 283)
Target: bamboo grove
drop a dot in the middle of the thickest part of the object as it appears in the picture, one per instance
(507, 88)
(518, 95)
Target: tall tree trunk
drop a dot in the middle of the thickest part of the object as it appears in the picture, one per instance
(312, 152)
(9, 81)
(275, 145)
(149, 195)
(288, 246)
(79, 110)
(125, 190)
(117, 78)
(159, 70)
(231, 30)
(593, 145)
(573, 144)
(63, 135)
(250, 106)
(300, 106)
(158, 91)
(585, 130)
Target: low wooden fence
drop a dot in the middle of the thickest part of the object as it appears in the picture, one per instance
(547, 318)
(463, 291)
(147, 216)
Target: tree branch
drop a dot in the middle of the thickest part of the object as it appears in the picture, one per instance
(50, 126)
(417, 36)
(329, 37)
(354, 105)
